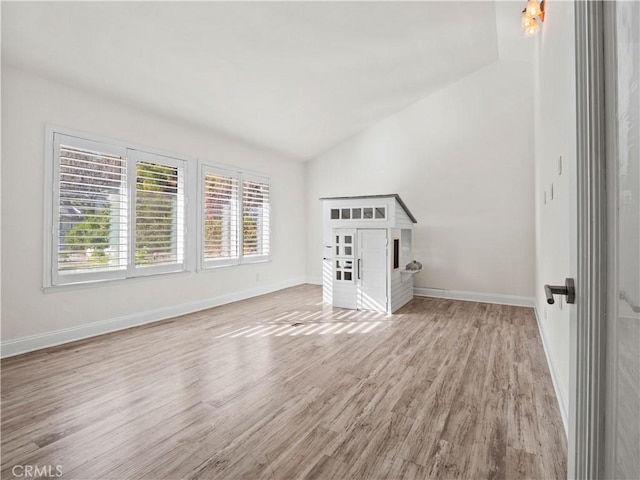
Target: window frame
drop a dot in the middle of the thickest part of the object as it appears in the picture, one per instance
(246, 259)
(193, 211)
(56, 278)
(52, 279)
(133, 155)
(208, 168)
(361, 208)
(395, 253)
(205, 167)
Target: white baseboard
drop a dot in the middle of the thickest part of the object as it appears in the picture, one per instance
(560, 395)
(475, 297)
(314, 280)
(18, 346)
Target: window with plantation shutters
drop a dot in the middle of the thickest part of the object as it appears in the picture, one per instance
(255, 219)
(90, 211)
(220, 217)
(159, 211)
(115, 212)
(235, 217)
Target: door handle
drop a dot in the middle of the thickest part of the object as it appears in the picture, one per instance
(358, 269)
(568, 289)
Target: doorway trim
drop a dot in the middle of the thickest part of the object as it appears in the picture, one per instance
(586, 434)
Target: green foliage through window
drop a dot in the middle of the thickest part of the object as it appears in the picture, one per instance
(156, 213)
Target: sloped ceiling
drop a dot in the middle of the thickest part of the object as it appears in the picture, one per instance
(294, 77)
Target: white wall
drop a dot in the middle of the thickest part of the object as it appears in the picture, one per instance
(28, 103)
(0, 188)
(462, 160)
(555, 117)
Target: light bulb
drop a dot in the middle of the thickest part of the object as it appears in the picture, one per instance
(527, 20)
(533, 8)
(532, 29)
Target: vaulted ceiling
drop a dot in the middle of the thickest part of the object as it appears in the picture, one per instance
(294, 77)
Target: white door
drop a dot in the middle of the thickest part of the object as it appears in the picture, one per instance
(622, 415)
(604, 441)
(372, 270)
(344, 272)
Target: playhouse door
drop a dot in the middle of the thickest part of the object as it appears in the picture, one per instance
(372, 270)
(344, 272)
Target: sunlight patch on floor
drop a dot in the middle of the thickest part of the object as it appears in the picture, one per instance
(327, 323)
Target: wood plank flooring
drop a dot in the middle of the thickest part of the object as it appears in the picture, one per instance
(442, 389)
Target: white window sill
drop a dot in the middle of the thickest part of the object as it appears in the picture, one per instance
(130, 280)
(210, 268)
(111, 281)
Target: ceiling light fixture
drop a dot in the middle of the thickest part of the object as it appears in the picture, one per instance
(526, 20)
(534, 8)
(532, 13)
(532, 29)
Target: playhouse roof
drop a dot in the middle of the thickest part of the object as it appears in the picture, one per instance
(389, 195)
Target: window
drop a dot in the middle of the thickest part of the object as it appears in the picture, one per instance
(159, 211)
(255, 219)
(396, 253)
(116, 212)
(358, 213)
(231, 200)
(90, 210)
(344, 258)
(220, 222)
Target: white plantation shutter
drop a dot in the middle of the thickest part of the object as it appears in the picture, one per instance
(255, 219)
(90, 210)
(220, 217)
(115, 212)
(159, 211)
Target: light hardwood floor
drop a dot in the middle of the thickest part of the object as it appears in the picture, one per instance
(442, 389)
